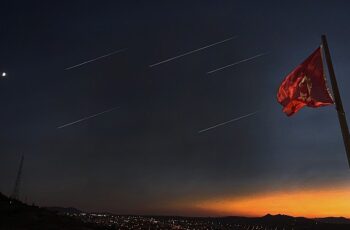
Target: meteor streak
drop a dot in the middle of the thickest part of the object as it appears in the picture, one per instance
(226, 122)
(95, 59)
(236, 63)
(191, 52)
(86, 118)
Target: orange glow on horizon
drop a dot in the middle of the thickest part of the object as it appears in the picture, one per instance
(310, 203)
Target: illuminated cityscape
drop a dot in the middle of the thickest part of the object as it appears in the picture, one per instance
(268, 222)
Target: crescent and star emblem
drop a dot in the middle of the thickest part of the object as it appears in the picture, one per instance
(305, 86)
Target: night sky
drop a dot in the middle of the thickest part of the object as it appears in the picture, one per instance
(146, 156)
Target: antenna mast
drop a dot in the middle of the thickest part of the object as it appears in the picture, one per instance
(15, 193)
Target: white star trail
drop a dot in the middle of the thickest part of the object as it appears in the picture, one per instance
(95, 59)
(236, 63)
(86, 118)
(191, 52)
(226, 122)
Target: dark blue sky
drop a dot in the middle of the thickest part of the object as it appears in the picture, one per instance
(148, 152)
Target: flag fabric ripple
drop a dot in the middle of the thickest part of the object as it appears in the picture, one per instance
(305, 86)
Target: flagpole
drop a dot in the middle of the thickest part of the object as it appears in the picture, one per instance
(337, 99)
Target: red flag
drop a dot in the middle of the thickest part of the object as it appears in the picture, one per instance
(305, 86)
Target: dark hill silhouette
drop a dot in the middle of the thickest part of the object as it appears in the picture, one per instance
(16, 215)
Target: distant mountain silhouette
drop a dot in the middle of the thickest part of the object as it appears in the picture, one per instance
(290, 222)
(285, 218)
(16, 215)
(271, 220)
(70, 210)
(334, 220)
(279, 218)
